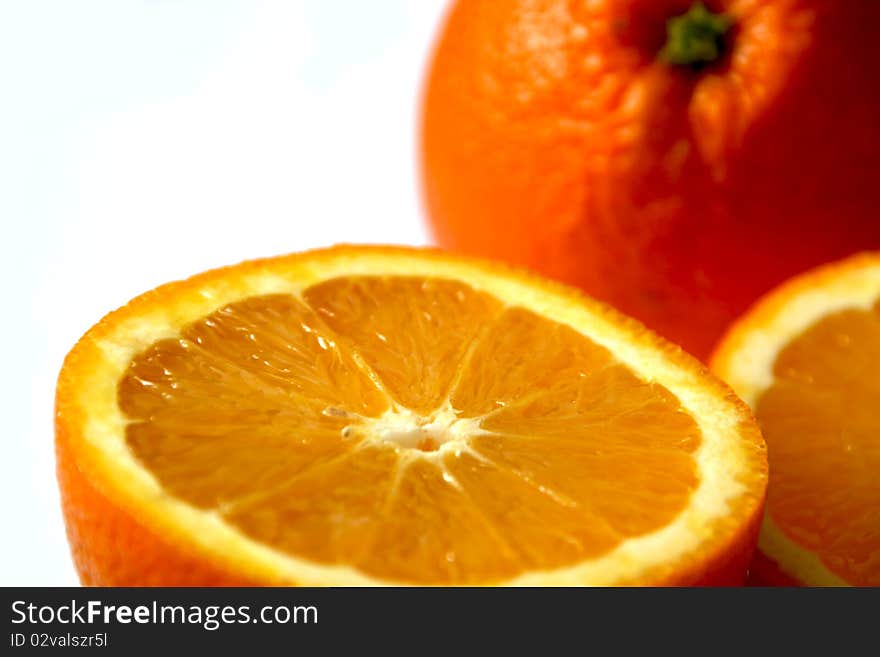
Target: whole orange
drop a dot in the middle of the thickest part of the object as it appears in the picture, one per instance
(672, 159)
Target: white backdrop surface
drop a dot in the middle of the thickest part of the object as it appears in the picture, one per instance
(141, 142)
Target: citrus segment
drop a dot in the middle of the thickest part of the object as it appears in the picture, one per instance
(431, 531)
(586, 474)
(538, 358)
(325, 513)
(405, 418)
(411, 331)
(546, 528)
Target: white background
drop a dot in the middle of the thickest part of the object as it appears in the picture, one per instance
(142, 142)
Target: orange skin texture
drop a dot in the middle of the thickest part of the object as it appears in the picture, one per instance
(114, 544)
(553, 138)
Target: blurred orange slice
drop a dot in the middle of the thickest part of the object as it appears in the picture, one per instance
(807, 359)
(373, 415)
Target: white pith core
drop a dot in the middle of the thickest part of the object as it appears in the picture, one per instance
(439, 433)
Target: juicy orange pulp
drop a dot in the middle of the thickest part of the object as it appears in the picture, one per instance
(440, 438)
(820, 420)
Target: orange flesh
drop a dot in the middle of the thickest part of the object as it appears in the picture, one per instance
(415, 429)
(821, 425)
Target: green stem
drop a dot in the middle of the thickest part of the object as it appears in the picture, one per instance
(695, 38)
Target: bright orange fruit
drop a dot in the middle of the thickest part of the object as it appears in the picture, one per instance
(659, 154)
(806, 358)
(378, 415)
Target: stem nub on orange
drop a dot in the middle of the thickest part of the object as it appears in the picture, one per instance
(674, 159)
(380, 415)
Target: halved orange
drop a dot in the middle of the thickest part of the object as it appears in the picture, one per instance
(377, 415)
(806, 358)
